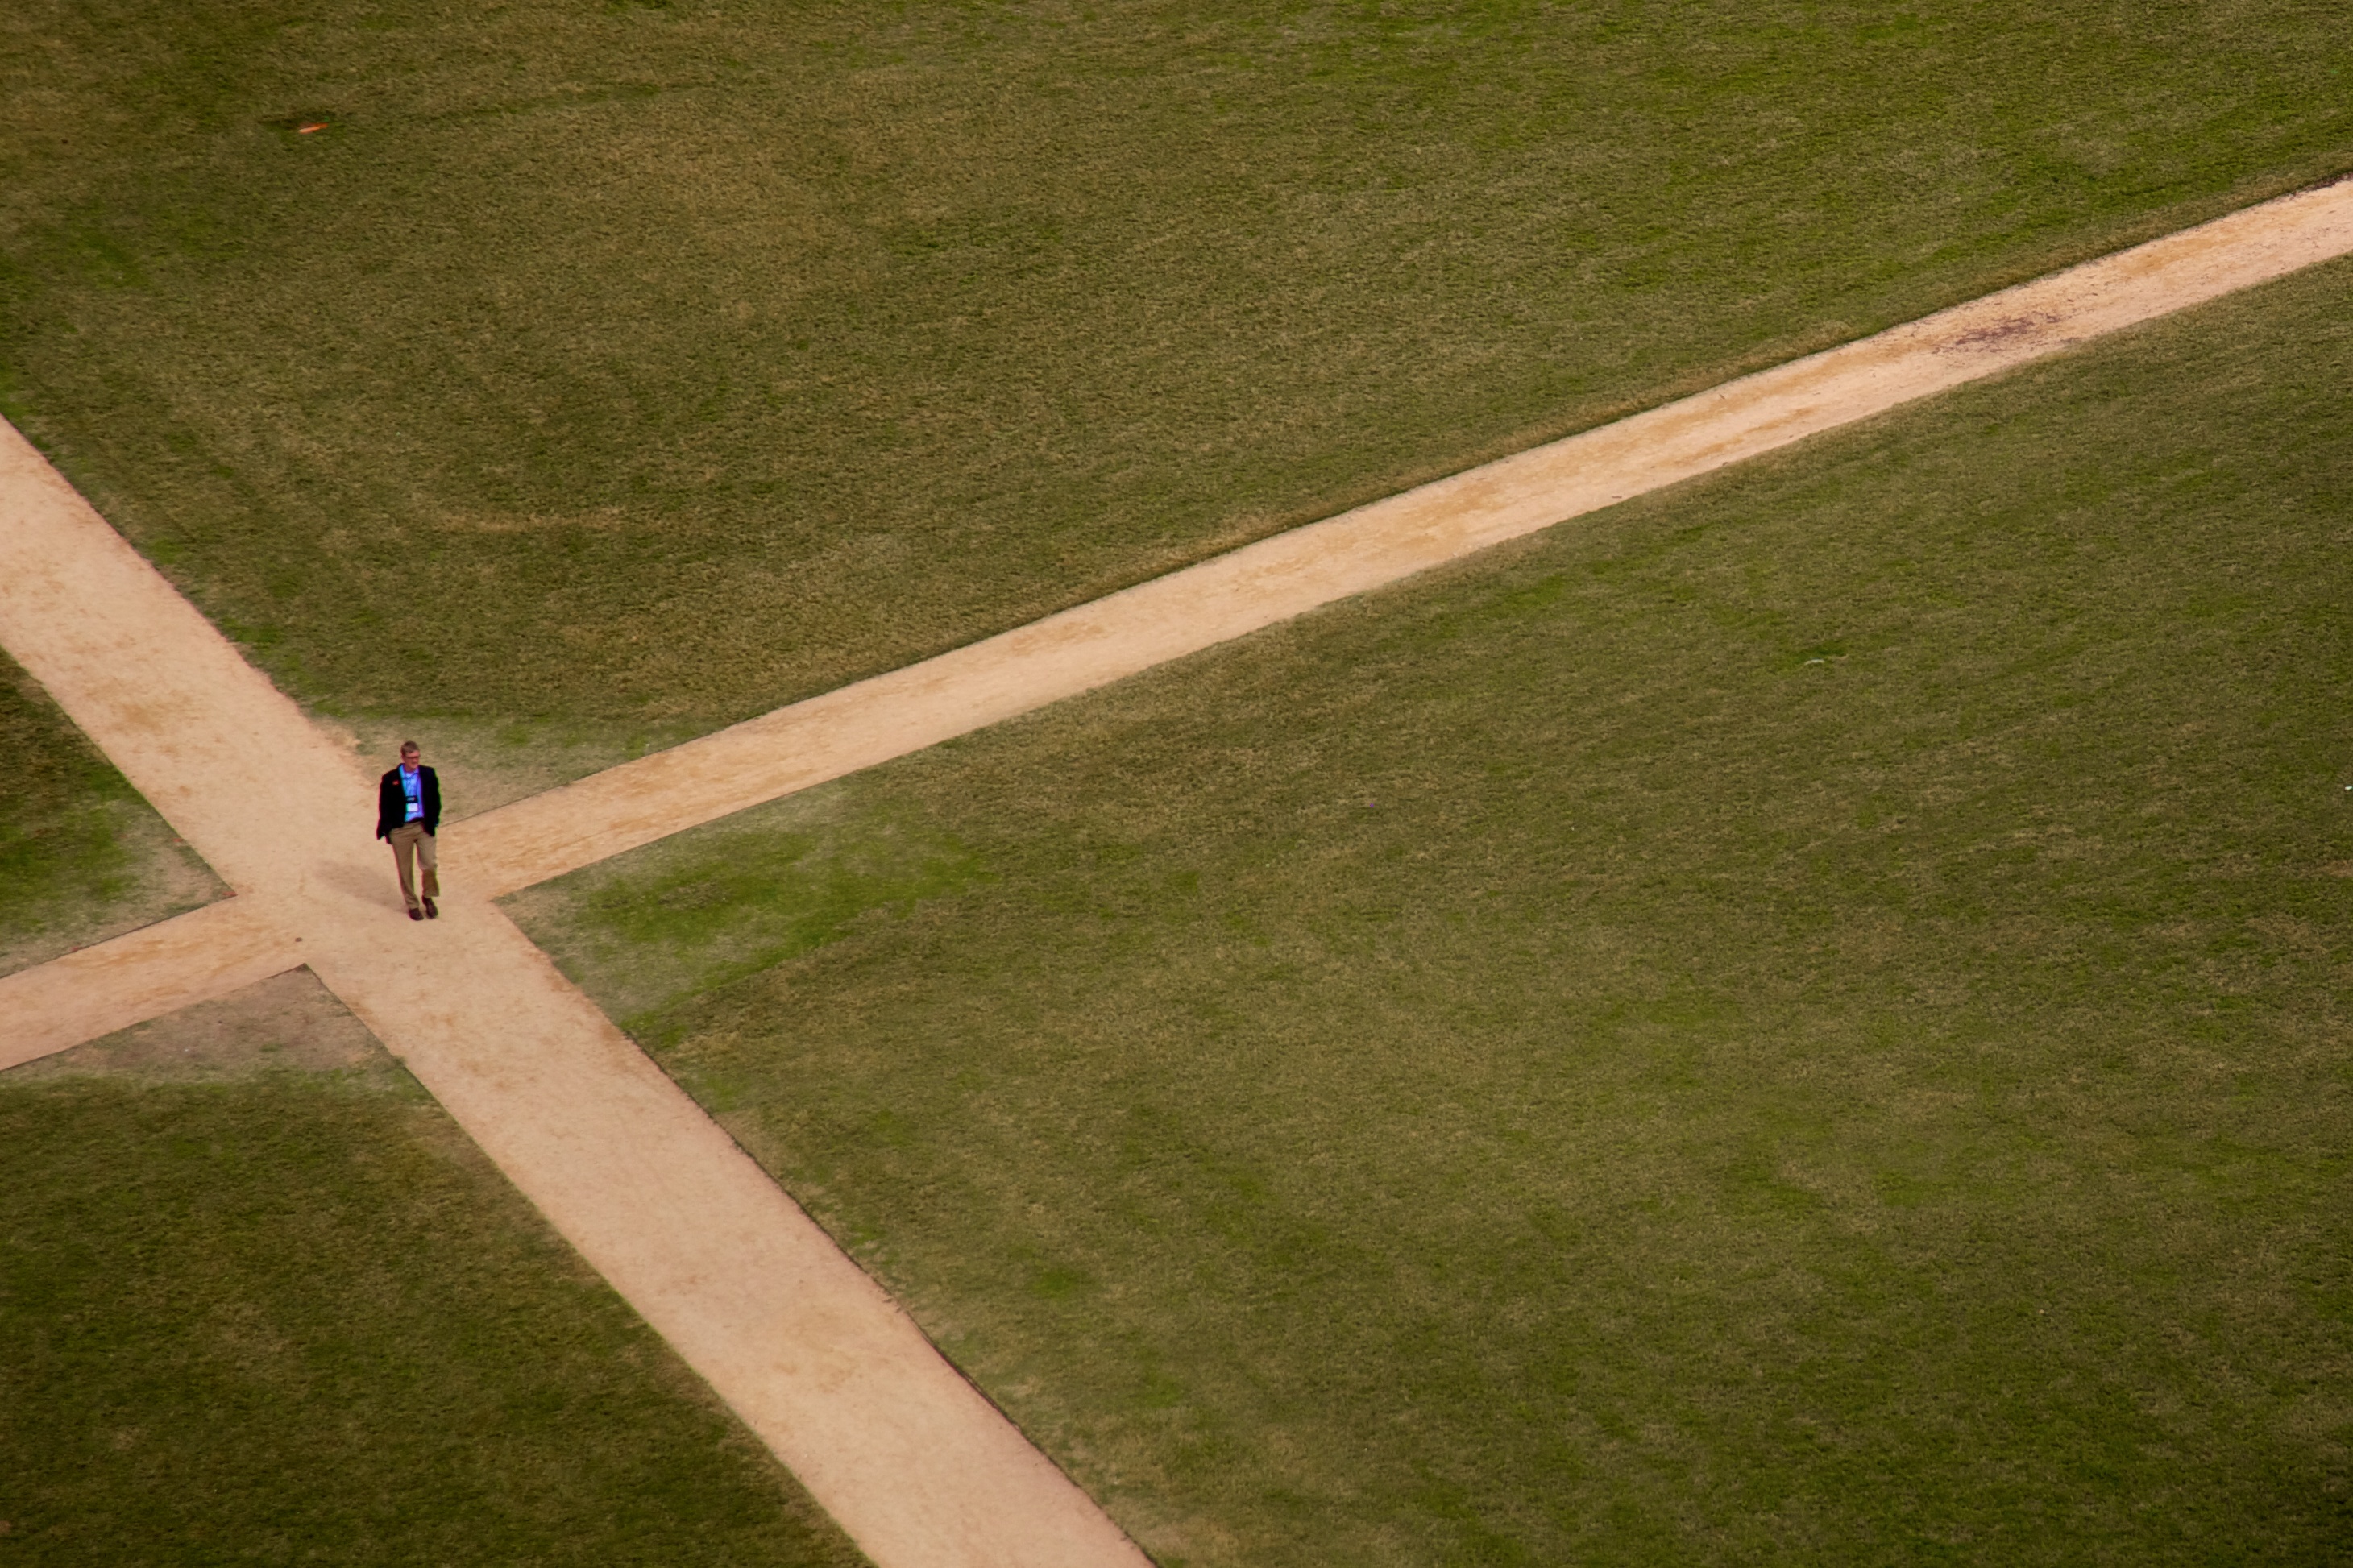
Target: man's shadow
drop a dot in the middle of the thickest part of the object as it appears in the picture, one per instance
(370, 883)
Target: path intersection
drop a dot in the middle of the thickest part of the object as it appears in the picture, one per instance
(917, 1465)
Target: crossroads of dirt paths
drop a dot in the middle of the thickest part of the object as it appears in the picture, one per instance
(915, 1465)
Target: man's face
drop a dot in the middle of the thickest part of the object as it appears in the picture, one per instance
(408, 759)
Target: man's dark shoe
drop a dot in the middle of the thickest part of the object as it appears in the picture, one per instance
(430, 912)
(416, 914)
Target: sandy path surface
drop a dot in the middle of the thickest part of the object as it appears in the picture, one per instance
(917, 1466)
(200, 956)
(1373, 546)
(889, 1437)
(226, 757)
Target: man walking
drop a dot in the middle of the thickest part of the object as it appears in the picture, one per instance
(408, 814)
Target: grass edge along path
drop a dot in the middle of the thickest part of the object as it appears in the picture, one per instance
(904, 1452)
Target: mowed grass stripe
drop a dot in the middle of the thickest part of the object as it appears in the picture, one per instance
(1804, 1017)
(597, 378)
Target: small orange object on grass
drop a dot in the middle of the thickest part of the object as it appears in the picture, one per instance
(306, 129)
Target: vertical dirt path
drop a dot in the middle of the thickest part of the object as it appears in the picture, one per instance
(914, 1464)
(1375, 545)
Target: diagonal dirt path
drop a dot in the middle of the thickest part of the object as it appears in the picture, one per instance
(905, 1454)
(913, 1462)
(1374, 545)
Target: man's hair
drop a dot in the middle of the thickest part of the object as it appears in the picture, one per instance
(407, 747)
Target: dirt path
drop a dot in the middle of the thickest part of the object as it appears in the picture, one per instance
(793, 1336)
(912, 1463)
(921, 1470)
(200, 956)
(1373, 546)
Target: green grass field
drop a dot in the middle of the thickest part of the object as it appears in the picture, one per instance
(599, 373)
(261, 1301)
(83, 858)
(1801, 1018)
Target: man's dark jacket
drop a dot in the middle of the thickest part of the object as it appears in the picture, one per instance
(392, 803)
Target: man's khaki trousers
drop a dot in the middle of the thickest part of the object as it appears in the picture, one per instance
(410, 840)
